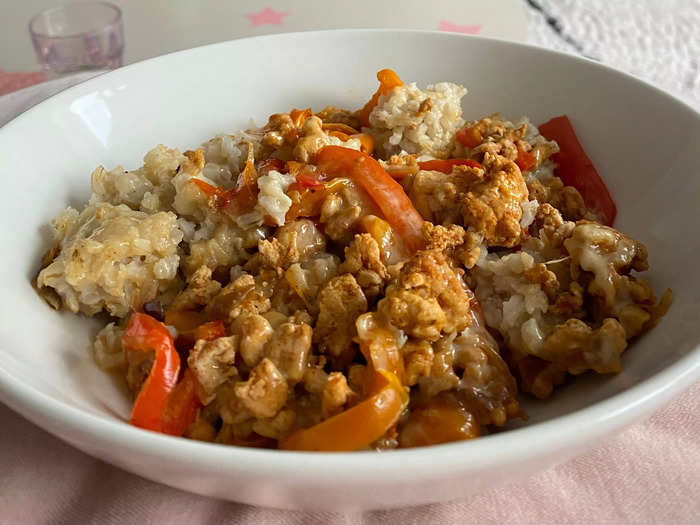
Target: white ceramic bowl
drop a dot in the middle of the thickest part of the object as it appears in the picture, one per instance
(644, 143)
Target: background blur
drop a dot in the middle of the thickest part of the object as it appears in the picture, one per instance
(657, 40)
(155, 27)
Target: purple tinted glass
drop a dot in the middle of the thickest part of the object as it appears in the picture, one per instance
(78, 37)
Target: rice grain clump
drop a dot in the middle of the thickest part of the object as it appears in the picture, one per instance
(112, 257)
(272, 202)
(511, 303)
(391, 265)
(147, 189)
(411, 120)
(568, 302)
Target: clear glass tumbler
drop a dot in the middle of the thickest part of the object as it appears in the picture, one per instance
(78, 37)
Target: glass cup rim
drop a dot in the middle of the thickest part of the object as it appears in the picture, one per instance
(116, 19)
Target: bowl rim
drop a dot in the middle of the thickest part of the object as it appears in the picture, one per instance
(500, 449)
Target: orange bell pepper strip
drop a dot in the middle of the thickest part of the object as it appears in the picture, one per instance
(576, 169)
(391, 247)
(525, 160)
(241, 198)
(306, 203)
(221, 196)
(245, 194)
(380, 230)
(300, 116)
(441, 420)
(469, 136)
(388, 80)
(336, 161)
(184, 321)
(366, 142)
(358, 426)
(210, 331)
(382, 351)
(339, 135)
(329, 127)
(145, 334)
(307, 193)
(445, 166)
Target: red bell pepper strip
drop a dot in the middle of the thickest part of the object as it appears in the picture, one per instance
(182, 405)
(307, 176)
(336, 161)
(145, 334)
(577, 170)
(266, 166)
(445, 166)
(307, 181)
(163, 405)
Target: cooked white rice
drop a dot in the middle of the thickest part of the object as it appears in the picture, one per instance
(112, 258)
(511, 303)
(272, 200)
(400, 124)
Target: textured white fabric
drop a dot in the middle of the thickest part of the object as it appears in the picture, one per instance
(657, 40)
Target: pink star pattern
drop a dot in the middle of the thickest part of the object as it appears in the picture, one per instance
(267, 16)
(456, 28)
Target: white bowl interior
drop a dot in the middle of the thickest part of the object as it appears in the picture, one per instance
(644, 144)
